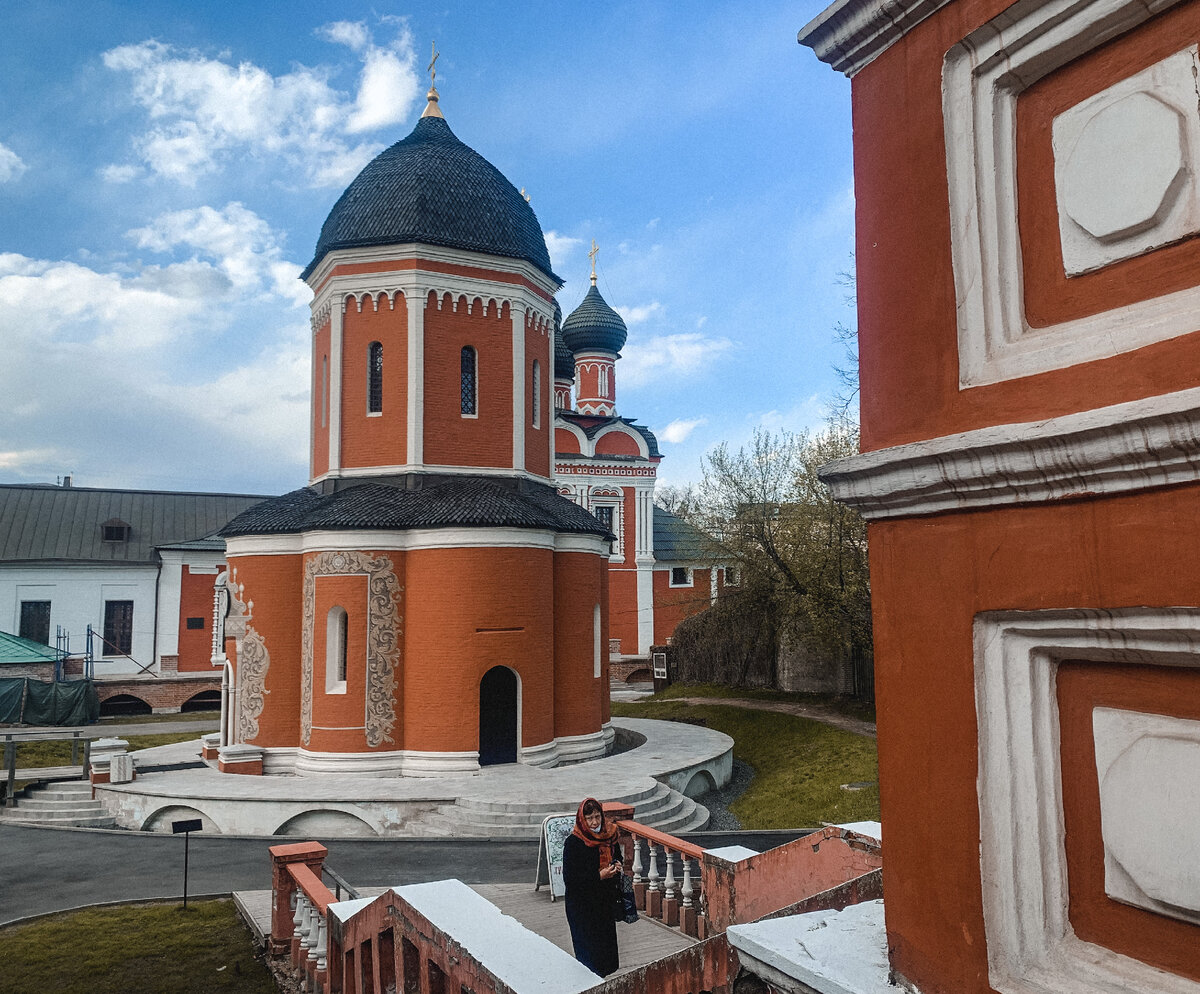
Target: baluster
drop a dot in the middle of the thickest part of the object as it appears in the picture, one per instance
(654, 890)
(322, 947)
(688, 890)
(638, 877)
(669, 881)
(300, 916)
(308, 929)
(652, 876)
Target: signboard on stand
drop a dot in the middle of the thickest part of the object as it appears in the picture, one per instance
(555, 829)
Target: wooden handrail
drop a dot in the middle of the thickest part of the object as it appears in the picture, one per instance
(671, 842)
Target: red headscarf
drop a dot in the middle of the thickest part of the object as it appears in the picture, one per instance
(605, 840)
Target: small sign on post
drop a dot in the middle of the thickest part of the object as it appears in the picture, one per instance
(186, 827)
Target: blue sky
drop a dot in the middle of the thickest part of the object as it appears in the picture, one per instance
(165, 169)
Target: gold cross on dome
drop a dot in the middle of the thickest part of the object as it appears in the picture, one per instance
(592, 255)
(432, 67)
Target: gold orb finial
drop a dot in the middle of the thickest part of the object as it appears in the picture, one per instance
(432, 109)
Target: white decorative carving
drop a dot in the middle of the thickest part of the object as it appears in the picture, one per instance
(384, 596)
(982, 78)
(1133, 446)
(1148, 767)
(1124, 163)
(252, 664)
(1032, 948)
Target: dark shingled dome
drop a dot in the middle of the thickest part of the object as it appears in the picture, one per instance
(594, 325)
(436, 502)
(564, 360)
(431, 188)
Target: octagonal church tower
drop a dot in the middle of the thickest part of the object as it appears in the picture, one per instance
(428, 603)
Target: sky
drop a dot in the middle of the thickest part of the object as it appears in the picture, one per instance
(165, 168)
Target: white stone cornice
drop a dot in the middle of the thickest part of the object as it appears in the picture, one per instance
(441, 469)
(518, 269)
(1138, 445)
(408, 540)
(849, 34)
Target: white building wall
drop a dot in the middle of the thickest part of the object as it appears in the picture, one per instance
(77, 595)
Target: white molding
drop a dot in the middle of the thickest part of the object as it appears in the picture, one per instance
(390, 763)
(433, 469)
(407, 540)
(850, 34)
(579, 748)
(518, 268)
(982, 78)
(333, 448)
(623, 429)
(1137, 445)
(1032, 948)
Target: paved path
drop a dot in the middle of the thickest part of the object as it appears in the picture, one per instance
(44, 870)
(815, 712)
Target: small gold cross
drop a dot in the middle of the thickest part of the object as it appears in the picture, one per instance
(432, 68)
(592, 255)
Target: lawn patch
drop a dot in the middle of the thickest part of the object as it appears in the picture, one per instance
(799, 765)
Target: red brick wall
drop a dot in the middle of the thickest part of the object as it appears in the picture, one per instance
(375, 440)
(537, 443)
(450, 438)
(580, 700)
(195, 601)
(342, 715)
(321, 375)
(673, 604)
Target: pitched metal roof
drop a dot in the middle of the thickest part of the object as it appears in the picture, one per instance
(424, 502)
(676, 541)
(431, 188)
(51, 524)
(14, 650)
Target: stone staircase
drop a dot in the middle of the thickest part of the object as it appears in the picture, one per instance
(58, 804)
(658, 807)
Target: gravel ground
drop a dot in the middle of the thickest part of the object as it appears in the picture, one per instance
(718, 801)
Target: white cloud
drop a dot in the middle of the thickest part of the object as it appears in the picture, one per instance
(561, 248)
(679, 429)
(353, 34)
(670, 356)
(11, 165)
(202, 111)
(242, 245)
(643, 312)
(806, 414)
(120, 174)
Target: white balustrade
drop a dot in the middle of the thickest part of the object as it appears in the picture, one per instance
(638, 867)
(652, 876)
(688, 891)
(669, 881)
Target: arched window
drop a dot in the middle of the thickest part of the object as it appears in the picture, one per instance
(375, 378)
(469, 382)
(603, 381)
(537, 394)
(324, 390)
(335, 650)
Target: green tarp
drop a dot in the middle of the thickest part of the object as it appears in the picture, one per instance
(31, 702)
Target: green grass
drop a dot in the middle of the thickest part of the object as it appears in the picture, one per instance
(848, 706)
(33, 755)
(147, 949)
(150, 719)
(799, 764)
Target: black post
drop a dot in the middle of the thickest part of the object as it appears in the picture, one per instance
(10, 754)
(186, 827)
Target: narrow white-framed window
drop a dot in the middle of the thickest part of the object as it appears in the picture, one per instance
(537, 394)
(596, 641)
(608, 512)
(469, 382)
(731, 576)
(681, 576)
(603, 391)
(336, 628)
(375, 378)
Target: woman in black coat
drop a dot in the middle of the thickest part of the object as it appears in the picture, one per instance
(591, 872)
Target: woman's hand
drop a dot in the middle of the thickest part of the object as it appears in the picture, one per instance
(610, 871)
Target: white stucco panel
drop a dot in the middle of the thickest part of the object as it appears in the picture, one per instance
(1148, 767)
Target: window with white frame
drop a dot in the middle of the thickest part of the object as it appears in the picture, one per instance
(336, 628)
(606, 507)
(469, 382)
(537, 394)
(375, 378)
(681, 576)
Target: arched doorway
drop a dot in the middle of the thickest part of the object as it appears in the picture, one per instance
(498, 717)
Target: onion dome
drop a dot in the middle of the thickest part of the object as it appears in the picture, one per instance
(564, 359)
(593, 325)
(431, 188)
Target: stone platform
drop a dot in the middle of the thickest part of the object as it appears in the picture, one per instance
(659, 778)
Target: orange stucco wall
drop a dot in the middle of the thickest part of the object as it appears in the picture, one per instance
(274, 584)
(537, 442)
(320, 394)
(906, 301)
(673, 604)
(339, 718)
(580, 698)
(1155, 939)
(374, 439)
(196, 601)
(929, 579)
(450, 438)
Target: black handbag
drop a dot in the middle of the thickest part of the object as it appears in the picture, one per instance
(626, 906)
